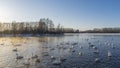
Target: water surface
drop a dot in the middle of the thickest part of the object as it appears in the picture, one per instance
(67, 47)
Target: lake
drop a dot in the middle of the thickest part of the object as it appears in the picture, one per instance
(85, 50)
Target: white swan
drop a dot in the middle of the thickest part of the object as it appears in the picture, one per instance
(97, 60)
(109, 54)
(27, 63)
(80, 53)
(52, 57)
(81, 47)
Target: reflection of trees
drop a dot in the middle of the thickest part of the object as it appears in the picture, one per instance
(43, 39)
(17, 40)
(51, 39)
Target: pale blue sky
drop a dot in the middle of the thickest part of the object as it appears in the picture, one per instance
(81, 14)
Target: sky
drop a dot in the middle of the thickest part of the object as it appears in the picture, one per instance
(78, 14)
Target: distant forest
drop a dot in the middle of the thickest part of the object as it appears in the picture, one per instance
(43, 26)
(103, 30)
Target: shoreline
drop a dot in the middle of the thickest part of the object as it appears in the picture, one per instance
(54, 35)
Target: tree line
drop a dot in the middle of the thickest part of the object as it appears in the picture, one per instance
(43, 26)
(103, 30)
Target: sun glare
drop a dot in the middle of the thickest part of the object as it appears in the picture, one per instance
(5, 13)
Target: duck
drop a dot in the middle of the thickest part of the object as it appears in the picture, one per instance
(56, 62)
(45, 54)
(52, 57)
(52, 49)
(91, 45)
(73, 50)
(94, 47)
(37, 60)
(15, 50)
(96, 52)
(27, 63)
(19, 57)
(62, 59)
(18, 45)
(35, 56)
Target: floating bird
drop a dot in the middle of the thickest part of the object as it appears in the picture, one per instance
(67, 43)
(97, 60)
(18, 45)
(27, 63)
(74, 43)
(62, 59)
(19, 57)
(2, 44)
(57, 62)
(80, 53)
(45, 54)
(72, 46)
(91, 45)
(96, 52)
(81, 47)
(109, 54)
(94, 47)
(15, 50)
(52, 57)
(35, 56)
(52, 49)
(64, 48)
(113, 46)
(37, 60)
(73, 50)
(106, 43)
